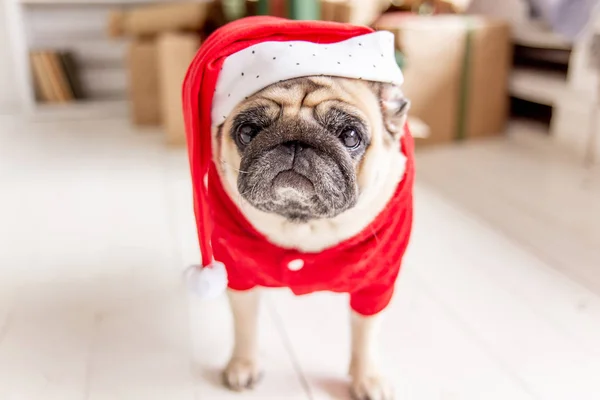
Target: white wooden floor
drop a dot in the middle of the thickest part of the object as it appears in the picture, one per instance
(499, 297)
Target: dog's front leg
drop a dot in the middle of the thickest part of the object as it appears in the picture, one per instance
(243, 371)
(367, 383)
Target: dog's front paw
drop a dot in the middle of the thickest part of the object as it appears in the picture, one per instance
(241, 374)
(371, 387)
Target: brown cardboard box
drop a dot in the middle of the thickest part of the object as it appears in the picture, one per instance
(431, 6)
(144, 93)
(330, 10)
(153, 19)
(358, 12)
(175, 53)
(456, 72)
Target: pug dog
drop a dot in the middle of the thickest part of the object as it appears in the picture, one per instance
(310, 162)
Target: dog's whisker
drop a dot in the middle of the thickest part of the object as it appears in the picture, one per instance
(254, 188)
(232, 167)
(241, 195)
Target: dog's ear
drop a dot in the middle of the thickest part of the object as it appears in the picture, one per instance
(394, 108)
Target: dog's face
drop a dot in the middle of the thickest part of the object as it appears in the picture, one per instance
(297, 148)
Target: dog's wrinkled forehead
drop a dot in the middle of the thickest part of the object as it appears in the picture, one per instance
(313, 99)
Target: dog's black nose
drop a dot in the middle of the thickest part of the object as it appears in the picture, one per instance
(294, 146)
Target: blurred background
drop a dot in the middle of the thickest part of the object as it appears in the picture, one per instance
(499, 297)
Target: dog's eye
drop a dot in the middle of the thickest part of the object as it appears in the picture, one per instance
(350, 138)
(246, 133)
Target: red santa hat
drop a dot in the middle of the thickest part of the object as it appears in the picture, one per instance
(246, 56)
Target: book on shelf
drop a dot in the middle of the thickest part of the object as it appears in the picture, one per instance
(70, 67)
(43, 87)
(55, 76)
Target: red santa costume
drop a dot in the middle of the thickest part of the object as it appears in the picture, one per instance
(238, 60)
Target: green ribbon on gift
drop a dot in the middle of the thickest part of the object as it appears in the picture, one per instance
(305, 9)
(465, 87)
(263, 7)
(297, 9)
(234, 9)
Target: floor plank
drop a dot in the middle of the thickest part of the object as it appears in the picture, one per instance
(471, 270)
(529, 190)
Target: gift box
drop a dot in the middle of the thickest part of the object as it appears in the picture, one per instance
(357, 12)
(154, 19)
(175, 53)
(292, 9)
(144, 93)
(456, 72)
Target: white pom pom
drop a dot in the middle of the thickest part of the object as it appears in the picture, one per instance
(207, 282)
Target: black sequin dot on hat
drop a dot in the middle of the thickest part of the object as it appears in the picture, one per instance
(274, 58)
(242, 74)
(314, 55)
(290, 45)
(360, 44)
(339, 62)
(297, 63)
(229, 95)
(253, 51)
(258, 76)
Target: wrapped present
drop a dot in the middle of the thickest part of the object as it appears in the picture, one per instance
(456, 72)
(144, 93)
(430, 7)
(292, 9)
(175, 52)
(233, 9)
(358, 12)
(153, 19)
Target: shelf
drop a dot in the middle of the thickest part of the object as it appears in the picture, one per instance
(95, 2)
(57, 24)
(547, 88)
(538, 86)
(536, 34)
(83, 2)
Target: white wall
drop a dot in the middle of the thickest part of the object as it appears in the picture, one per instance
(8, 86)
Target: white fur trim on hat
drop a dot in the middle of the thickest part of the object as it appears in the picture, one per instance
(207, 282)
(370, 57)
